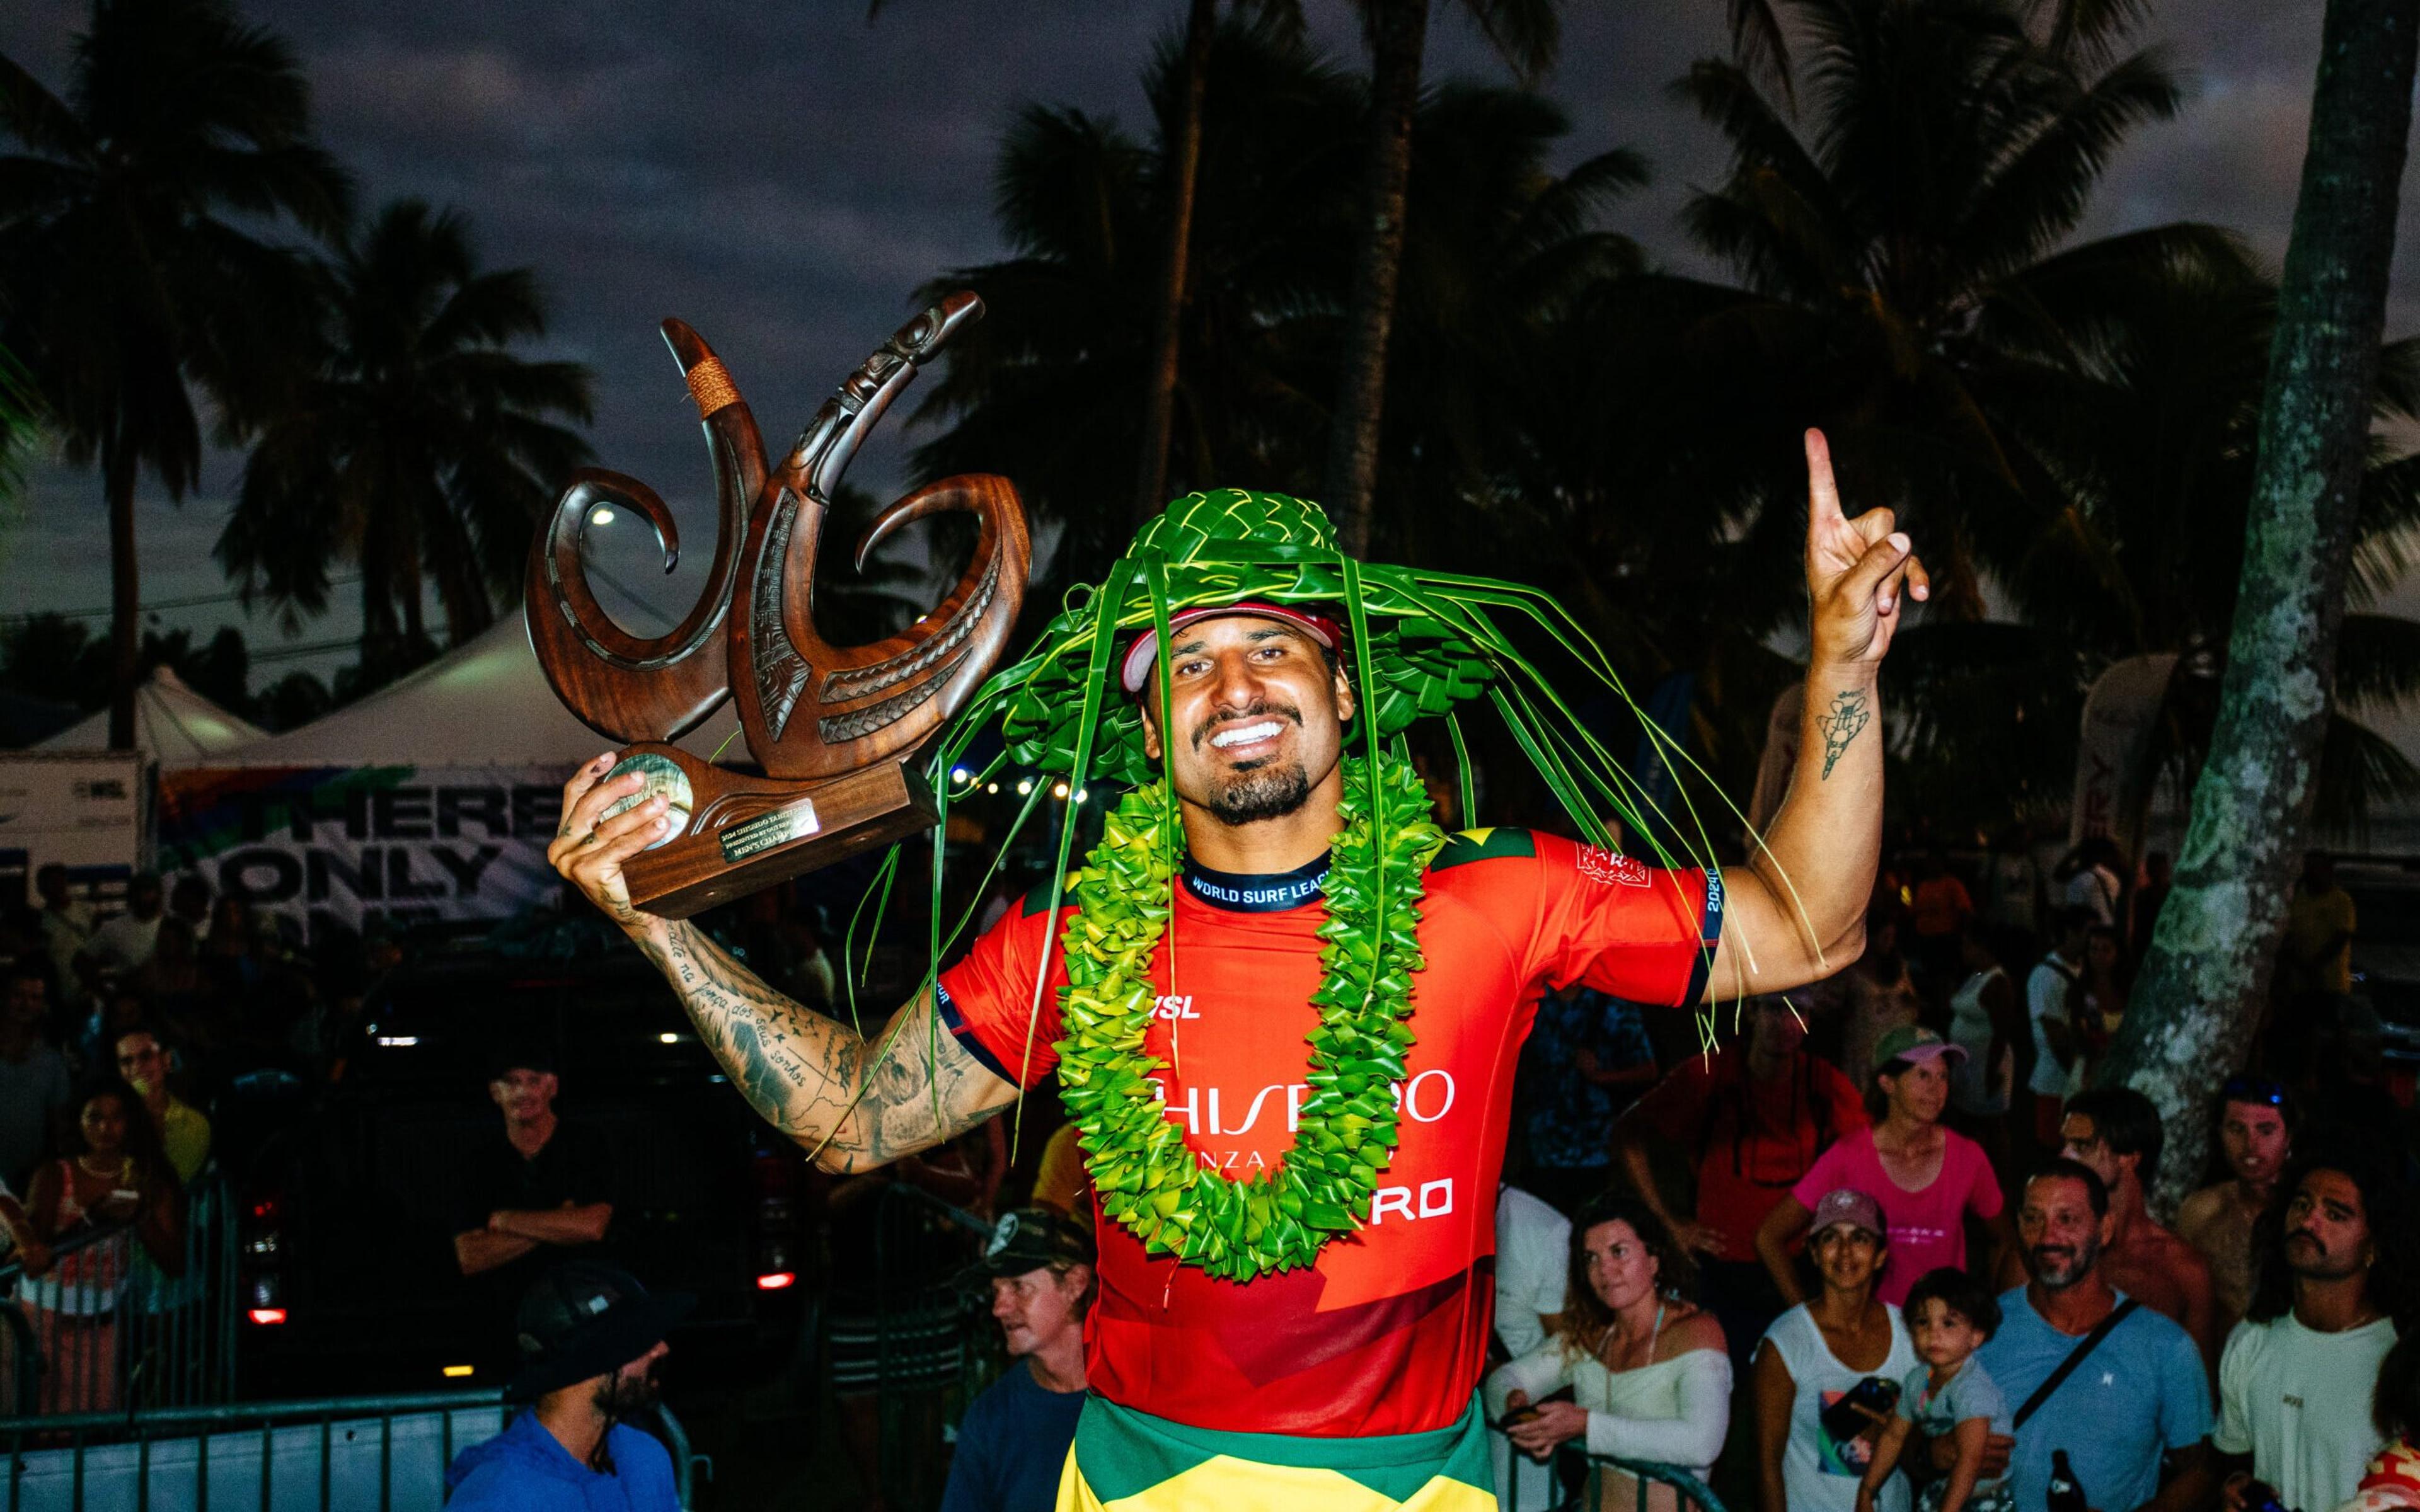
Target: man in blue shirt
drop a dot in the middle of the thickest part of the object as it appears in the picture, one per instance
(1012, 1443)
(2140, 1395)
(590, 1336)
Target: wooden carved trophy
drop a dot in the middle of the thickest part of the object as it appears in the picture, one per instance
(835, 729)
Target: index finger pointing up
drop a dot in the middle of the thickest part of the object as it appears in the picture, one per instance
(1822, 495)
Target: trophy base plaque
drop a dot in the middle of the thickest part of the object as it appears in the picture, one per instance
(739, 834)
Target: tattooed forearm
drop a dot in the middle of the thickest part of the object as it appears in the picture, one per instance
(1840, 723)
(856, 1105)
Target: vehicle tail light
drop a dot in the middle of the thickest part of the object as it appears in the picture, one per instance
(777, 1281)
(267, 1316)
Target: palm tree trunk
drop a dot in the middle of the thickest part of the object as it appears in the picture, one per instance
(2194, 1012)
(1159, 401)
(1398, 30)
(117, 472)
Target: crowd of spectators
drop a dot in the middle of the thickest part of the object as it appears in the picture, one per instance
(120, 1025)
(1921, 1232)
(1887, 1245)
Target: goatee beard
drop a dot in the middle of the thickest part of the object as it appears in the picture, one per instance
(1270, 793)
(626, 1397)
(2086, 1258)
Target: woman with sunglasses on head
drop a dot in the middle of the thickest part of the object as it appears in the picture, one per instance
(1928, 1178)
(1649, 1376)
(2256, 1121)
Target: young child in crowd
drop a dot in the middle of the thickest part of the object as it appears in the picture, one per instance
(1950, 1314)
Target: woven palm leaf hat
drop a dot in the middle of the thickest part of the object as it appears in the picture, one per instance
(1417, 643)
(1211, 551)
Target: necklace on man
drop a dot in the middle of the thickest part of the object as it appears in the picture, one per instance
(1149, 1181)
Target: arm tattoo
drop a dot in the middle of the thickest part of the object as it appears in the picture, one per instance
(856, 1105)
(1840, 723)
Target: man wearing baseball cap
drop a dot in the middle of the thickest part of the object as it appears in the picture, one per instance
(1012, 1443)
(1928, 1177)
(589, 1336)
(537, 1197)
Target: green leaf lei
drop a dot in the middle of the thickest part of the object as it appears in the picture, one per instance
(1147, 1176)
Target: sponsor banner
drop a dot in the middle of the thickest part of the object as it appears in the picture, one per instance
(86, 810)
(357, 846)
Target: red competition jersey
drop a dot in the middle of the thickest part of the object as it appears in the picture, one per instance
(1387, 1333)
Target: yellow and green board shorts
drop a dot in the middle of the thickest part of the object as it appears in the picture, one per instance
(1128, 1461)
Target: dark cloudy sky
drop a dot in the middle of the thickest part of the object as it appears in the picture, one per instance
(780, 176)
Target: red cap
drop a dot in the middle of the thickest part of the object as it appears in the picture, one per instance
(1146, 645)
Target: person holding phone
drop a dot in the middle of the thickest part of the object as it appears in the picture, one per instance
(1646, 1368)
(117, 1178)
(1826, 1375)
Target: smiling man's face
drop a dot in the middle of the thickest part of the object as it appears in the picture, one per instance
(1257, 717)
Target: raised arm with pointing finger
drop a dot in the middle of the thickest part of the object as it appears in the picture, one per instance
(1275, 996)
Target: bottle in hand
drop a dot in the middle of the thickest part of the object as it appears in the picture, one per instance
(2065, 1493)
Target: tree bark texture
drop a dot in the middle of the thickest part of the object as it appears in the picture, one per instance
(2195, 1011)
(1398, 31)
(1185, 167)
(117, 472)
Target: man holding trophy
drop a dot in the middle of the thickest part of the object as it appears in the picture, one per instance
(1283, 1008)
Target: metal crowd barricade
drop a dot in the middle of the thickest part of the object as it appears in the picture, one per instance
(1688, 1490)
(343, 1453)
(931, 1342)
(147, 1339)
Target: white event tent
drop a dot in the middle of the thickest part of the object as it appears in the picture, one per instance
(173, 726)
(485, 704)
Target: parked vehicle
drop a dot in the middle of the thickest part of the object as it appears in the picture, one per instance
(350, 1209)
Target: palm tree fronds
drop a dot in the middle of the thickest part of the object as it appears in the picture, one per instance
(1526, 34)
(2378, 660)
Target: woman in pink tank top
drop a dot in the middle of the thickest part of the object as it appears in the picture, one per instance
(1927, 1178)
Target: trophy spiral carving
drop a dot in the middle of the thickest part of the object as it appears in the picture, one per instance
(809, 710)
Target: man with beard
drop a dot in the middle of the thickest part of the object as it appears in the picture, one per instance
(2136, 1392)
(2256, 1134)
(2296, 1381)
(1283, 1008)
(589, 1336)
